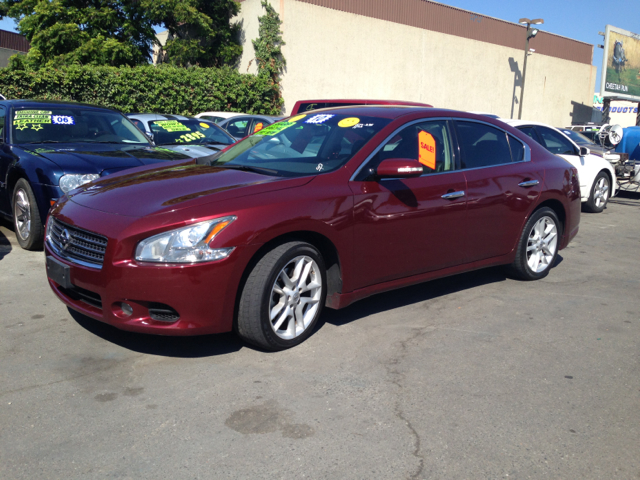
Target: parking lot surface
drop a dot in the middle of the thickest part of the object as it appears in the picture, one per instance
(473, 376)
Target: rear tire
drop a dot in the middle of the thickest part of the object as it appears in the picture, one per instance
(538, 246)
(283, 297)
(600, 193)
(26, 217)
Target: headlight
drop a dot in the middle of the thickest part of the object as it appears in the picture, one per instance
(69, 182)
(190, 244)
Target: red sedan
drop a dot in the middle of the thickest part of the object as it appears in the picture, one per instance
(322, 209)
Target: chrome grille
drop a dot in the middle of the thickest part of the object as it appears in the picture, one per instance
(76, 245)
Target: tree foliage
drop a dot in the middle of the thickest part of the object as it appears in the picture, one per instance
(162, 89)
(90, 32)
(120, 32)
(201, 32)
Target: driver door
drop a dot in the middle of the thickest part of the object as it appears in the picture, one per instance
(404, 227)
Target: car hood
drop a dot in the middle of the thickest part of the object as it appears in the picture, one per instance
(167, 189)
(101, 157)
(196, 151)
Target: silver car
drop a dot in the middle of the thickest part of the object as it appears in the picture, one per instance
(195, 137)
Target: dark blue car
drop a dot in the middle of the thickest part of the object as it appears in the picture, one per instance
(50, 148)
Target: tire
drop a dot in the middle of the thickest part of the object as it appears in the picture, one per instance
(600, 192)
(26, 217)
(536, 252)
(273, 289)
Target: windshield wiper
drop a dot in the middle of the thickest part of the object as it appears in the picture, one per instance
(247, 168)
(44, 141)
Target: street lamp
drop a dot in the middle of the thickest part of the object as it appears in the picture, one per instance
(531, 32)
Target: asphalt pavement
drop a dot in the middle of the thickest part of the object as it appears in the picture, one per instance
(476, 376)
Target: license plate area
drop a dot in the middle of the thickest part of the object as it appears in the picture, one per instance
(59, 272)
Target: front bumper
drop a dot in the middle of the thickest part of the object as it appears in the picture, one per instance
(203, 295)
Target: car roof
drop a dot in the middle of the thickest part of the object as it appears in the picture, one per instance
(49, 103)
(149, 117)
(221, 114)
(389, 111)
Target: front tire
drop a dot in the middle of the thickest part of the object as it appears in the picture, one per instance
(283, 297)
(26, 217)
(538, 246)
(600, 192)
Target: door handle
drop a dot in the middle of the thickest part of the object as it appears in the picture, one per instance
(528, 183)
(452, 195)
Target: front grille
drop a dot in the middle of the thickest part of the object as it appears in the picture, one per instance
(163, 313)
(76, 245)
(81, 295)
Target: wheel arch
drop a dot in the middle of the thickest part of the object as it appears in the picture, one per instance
(557, 207)
(324, 245)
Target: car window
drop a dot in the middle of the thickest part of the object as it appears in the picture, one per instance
(137, 123)
(212, 118)
(482, 145)
(188, 131)
(517, 149)
(531, 133)
(305, 144)
(75, 125)
(238, 128)
(428, 142)
(3, 113)
(555, 142)
(578, 138)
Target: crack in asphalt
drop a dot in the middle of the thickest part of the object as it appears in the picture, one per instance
(397, 379)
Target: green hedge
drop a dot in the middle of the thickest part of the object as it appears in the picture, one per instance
(164, 89)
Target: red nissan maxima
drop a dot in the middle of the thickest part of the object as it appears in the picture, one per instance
(321, 209)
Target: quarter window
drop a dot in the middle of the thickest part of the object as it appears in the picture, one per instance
(482, 145)
(517, 149)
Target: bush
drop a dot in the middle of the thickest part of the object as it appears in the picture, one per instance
(162, 89)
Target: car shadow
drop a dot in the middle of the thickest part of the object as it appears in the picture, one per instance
(179, 347)
(5, 244)
(224, 343)
(415, 294)
(626, 198)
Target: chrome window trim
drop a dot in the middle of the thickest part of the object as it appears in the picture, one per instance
(393, 134)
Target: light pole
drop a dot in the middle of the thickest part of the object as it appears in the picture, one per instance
(531, 32)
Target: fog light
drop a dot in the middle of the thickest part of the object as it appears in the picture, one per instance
(126, 309)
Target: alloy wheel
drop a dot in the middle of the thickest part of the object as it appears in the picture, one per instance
(295, 297)
(601, 192)
(542, 244)
(22, 214)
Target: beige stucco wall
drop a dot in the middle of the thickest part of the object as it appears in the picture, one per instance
(333, 54)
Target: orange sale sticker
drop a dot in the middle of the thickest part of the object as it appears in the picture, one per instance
(258, 127)
(427, 150)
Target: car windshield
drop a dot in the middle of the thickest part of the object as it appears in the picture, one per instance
(73, 125)
(188, 132)
(578, 138)
(302, 145)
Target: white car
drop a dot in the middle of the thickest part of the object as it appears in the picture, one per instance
(217, 117)
(597, 176)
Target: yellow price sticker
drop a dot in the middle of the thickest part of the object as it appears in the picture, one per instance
(295, 119)
(348, 122)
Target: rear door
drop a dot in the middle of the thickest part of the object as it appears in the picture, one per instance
(408, 226)
(502, 187)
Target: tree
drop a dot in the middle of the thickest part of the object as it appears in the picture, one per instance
(201, 32)
(120, 32)
(93, 32)
(268, 45)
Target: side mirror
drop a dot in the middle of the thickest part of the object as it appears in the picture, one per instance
(584, 151)
(399, 168)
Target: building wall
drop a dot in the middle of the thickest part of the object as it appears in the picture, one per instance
(336, 54)
(5, 53)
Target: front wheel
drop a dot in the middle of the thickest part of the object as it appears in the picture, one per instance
(283, 297)
(26, 217)
(600, 192)
(538, 245)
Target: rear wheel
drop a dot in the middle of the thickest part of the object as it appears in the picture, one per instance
(538, 245)
(600, 192)
(283, 297)
(26, 217)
